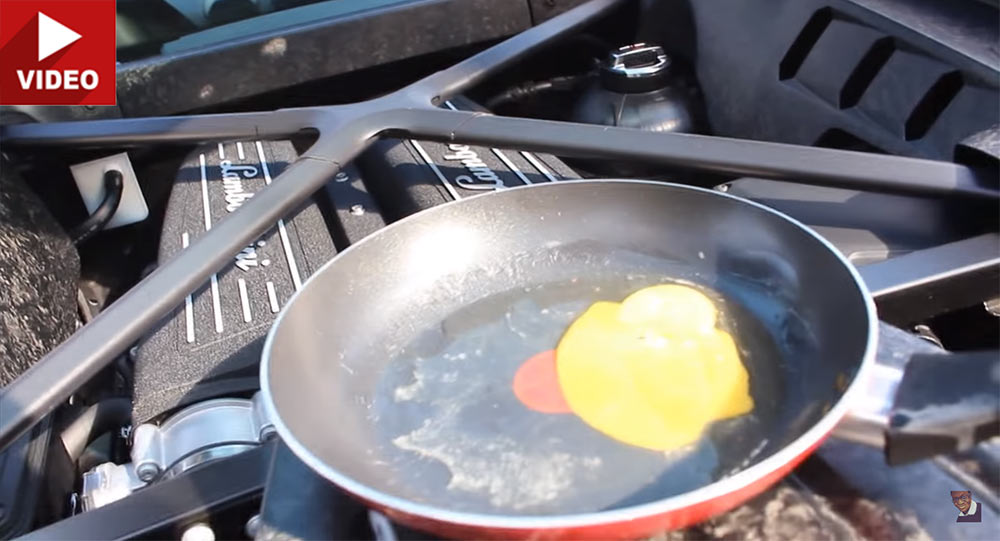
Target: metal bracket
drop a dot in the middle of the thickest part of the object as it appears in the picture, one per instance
(202, 432)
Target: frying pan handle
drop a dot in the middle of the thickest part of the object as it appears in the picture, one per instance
(868, 420)
(921, 401)
(944, 403)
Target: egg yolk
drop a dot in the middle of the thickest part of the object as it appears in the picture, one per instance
(652, 371)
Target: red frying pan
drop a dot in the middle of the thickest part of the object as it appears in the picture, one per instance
(412, 369)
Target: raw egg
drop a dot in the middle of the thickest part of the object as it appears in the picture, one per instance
(652, 371)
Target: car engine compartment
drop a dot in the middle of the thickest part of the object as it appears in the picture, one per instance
(878, 76)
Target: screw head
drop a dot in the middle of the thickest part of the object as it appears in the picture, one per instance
(198, 532)
(267, 432)
(147, 471)
(252, 527)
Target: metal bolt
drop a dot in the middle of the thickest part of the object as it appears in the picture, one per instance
(252, 527)
(198, 532)
(147, 471)
(993, 306)
(925, 332)
(722, 187)
(357, 210)
(267, 432)
(341, 177)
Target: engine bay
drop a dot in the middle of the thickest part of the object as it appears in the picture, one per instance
(181, 404)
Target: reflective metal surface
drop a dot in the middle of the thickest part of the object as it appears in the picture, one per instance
(198, 434)
(637, 61)
(108, 483)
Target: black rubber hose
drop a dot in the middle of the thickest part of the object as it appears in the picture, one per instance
(114, 182)
(108, 414)
(533, 88)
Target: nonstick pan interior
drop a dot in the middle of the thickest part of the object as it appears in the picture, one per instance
(392, 368)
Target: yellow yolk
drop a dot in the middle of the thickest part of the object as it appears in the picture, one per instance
(652, 371)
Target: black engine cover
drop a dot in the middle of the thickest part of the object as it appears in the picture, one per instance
(210, 346)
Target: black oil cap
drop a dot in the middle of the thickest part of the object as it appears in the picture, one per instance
(636, 68)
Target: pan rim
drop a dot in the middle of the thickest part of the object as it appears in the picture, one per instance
(802, 445)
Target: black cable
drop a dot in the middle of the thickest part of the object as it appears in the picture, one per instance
(114, 182)
(533, 88)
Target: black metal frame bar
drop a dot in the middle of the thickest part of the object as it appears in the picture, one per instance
(155, 510)
(176, 80)
(913, 287)
(346, 130)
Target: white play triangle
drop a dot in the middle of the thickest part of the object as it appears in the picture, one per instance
(53, 36)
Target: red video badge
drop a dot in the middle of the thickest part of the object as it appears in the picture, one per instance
(57, 52)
